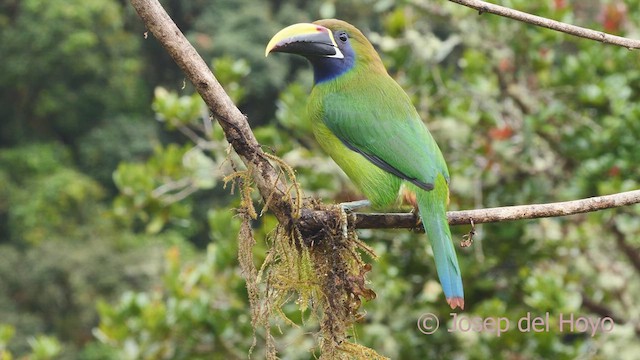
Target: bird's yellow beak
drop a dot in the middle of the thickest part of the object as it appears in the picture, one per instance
(305, 39)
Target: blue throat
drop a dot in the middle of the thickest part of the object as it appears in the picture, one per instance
(326, 68)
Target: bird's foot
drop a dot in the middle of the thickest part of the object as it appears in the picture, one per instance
(347, 208)
(344, 222)
(467, 239)
(352, 206)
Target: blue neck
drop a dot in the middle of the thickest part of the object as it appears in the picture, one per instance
(326, 68)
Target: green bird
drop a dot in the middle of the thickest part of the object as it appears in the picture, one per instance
(365, 121)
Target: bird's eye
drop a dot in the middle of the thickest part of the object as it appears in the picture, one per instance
(343, 36)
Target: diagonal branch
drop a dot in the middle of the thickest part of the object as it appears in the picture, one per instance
(232, 121)
(485, 7)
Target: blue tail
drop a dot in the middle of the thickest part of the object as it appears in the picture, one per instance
(432, 206)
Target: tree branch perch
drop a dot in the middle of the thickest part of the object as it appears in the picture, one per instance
(485, 7)
(239, 134)
(506, 213)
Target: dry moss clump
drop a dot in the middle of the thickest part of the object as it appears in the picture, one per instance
(322, 273)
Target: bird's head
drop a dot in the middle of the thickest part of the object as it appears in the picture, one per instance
(332, 46)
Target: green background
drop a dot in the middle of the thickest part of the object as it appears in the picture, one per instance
(118, 238)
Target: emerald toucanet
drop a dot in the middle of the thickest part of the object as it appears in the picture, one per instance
(365, 121)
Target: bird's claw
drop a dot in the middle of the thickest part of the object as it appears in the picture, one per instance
(348, 208)
(344, 221)
(352, 206)
(467, 239)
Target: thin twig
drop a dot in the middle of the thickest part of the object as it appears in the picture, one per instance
(485, 7)
(171, 186)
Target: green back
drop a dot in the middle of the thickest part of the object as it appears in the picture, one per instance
(373, 116)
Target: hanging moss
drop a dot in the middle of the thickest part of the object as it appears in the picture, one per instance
(322, 273)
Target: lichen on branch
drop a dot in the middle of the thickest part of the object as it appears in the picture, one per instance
(323, 274)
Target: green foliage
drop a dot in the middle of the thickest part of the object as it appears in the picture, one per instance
(32, 216)
(522, 114)
(153, 193)
(201, 311)
(232, 73)
(176, 110)
(33, 160)
(40, 180)
(141, 197)
(72, 98)
(122, 138)
(42, 347)
(54, 286)
(45, 347)
(6, 333)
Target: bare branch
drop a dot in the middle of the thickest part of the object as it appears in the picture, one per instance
(485, 7)
(491, 215)
(535, 211)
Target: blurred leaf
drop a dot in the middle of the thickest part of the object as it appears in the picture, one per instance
(176, 111)
(45, 347)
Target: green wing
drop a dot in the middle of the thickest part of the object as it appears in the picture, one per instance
(379, 122)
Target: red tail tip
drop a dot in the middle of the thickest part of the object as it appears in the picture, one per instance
(455, 302)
